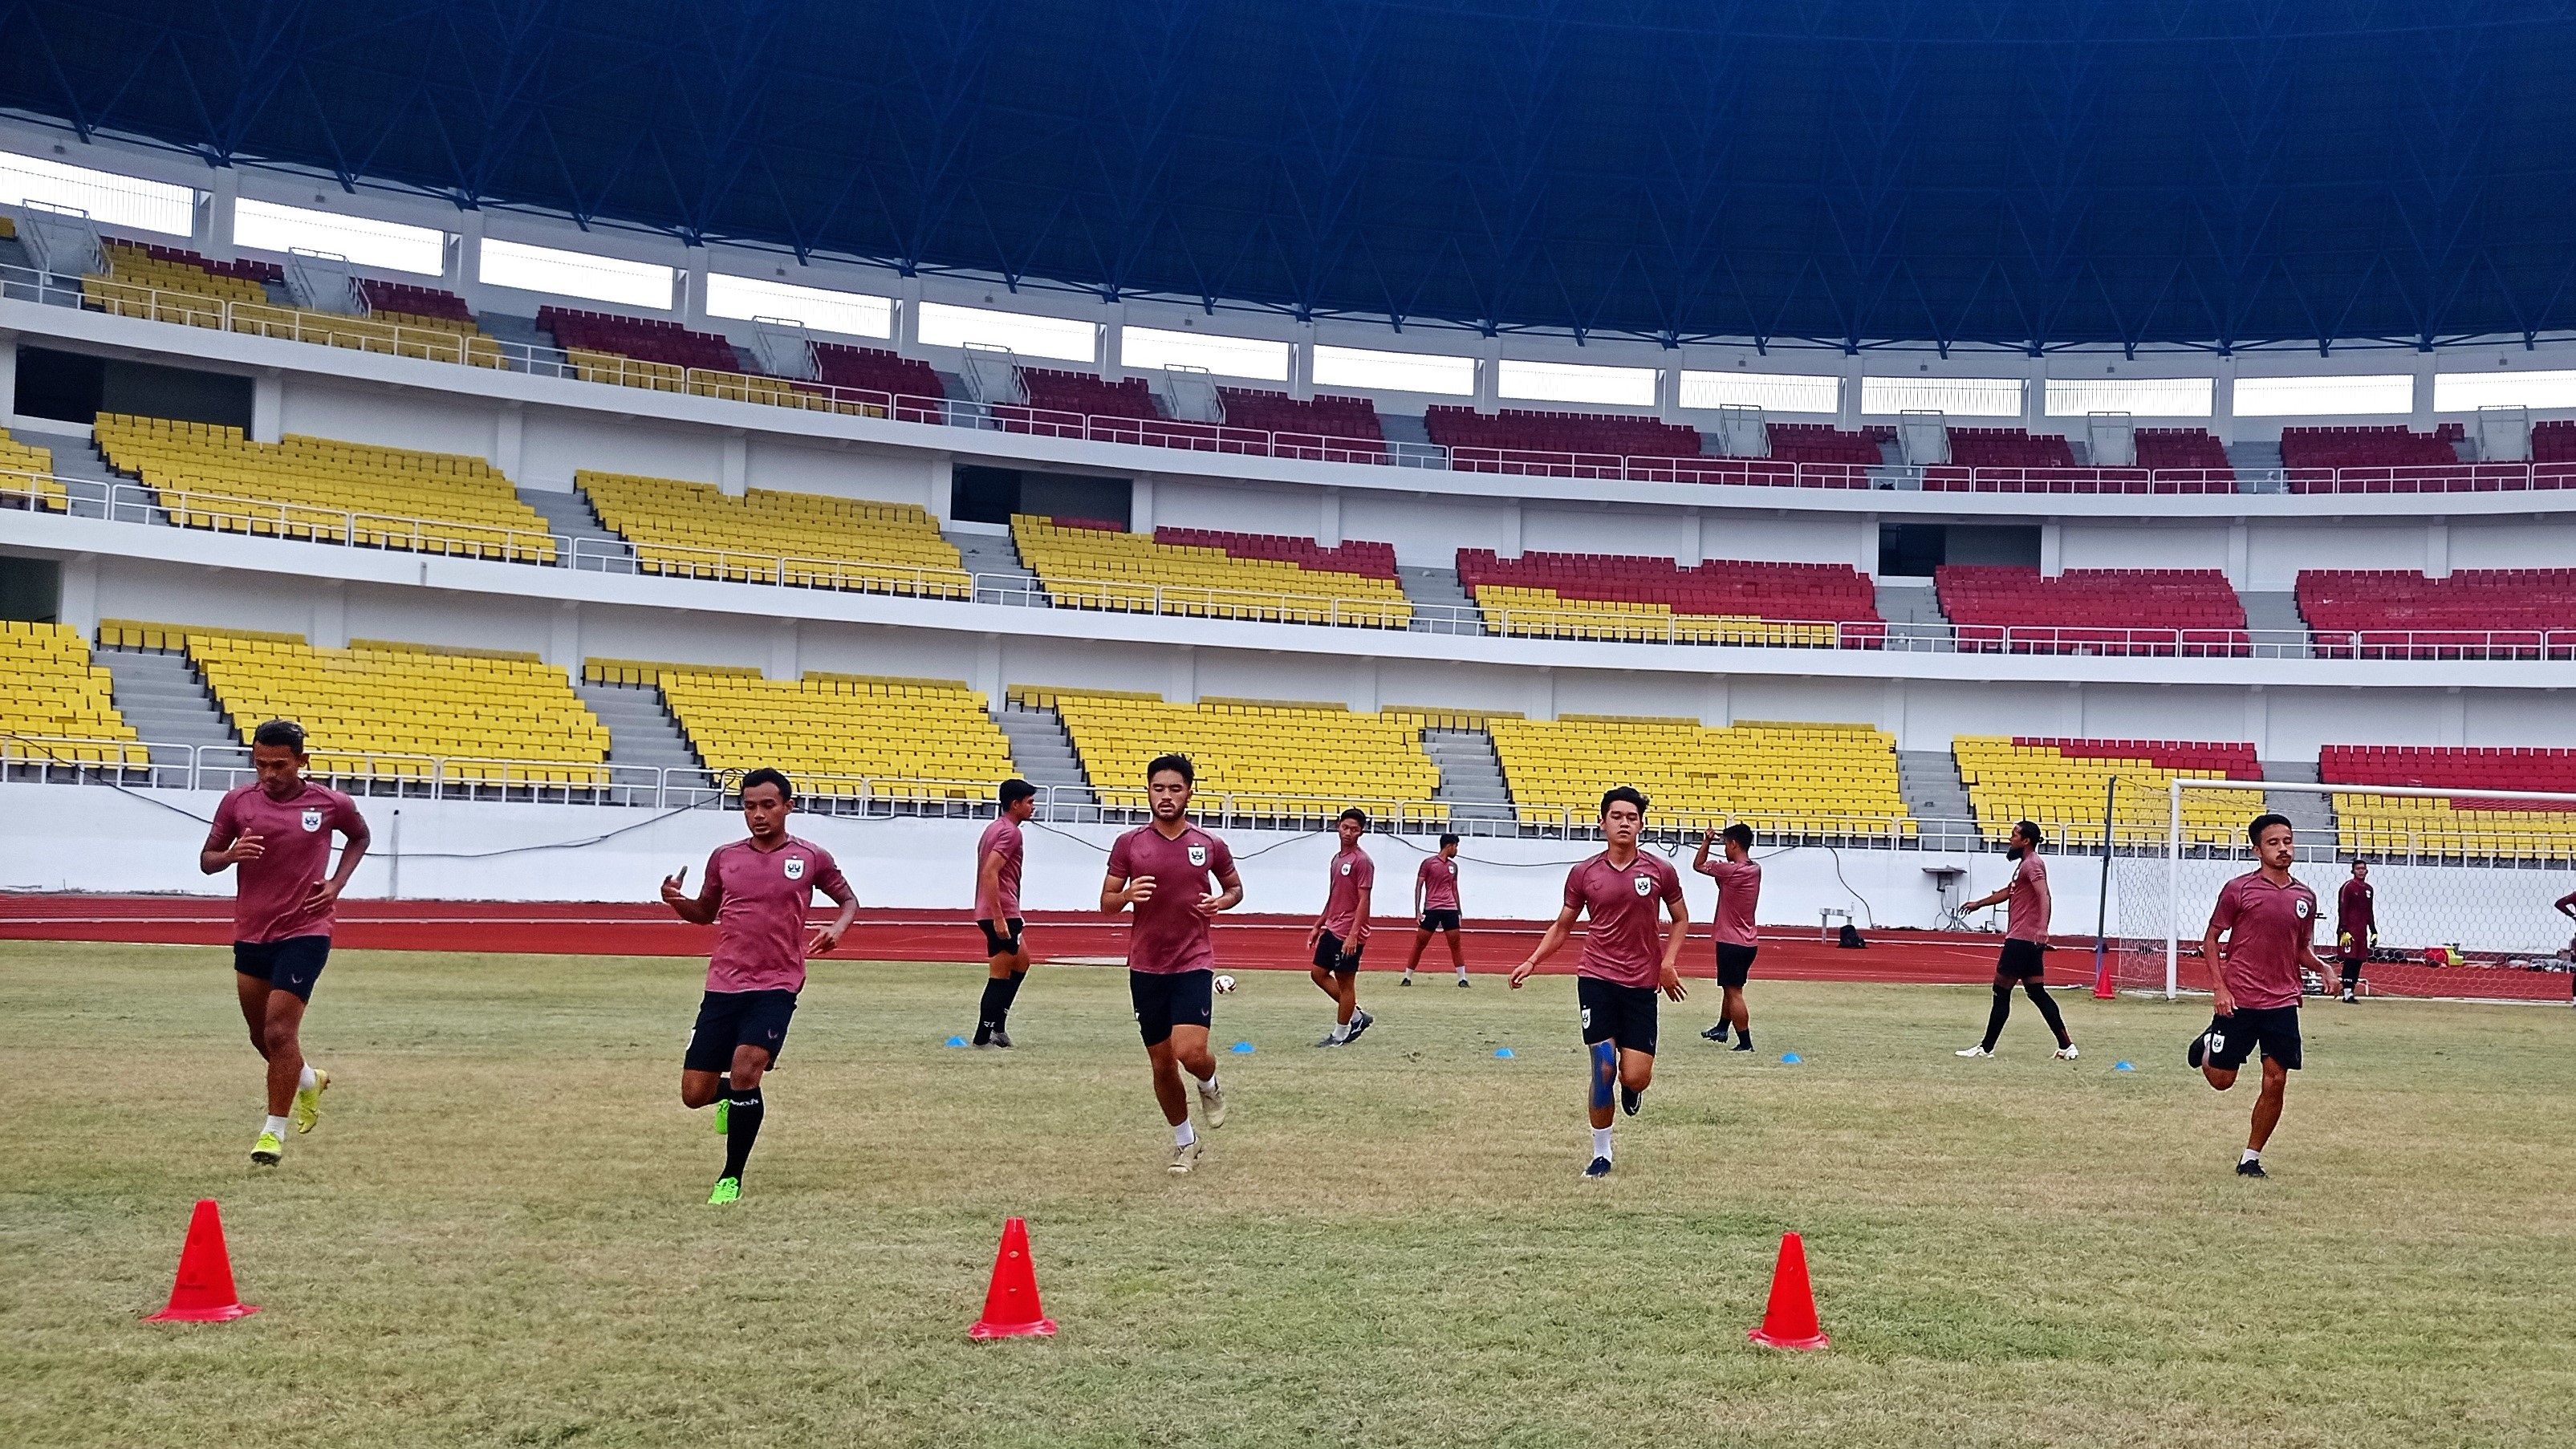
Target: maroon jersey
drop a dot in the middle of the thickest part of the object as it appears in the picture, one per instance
(1624, 944)
(2266, 927)
(1001, 838)
(1347, 874)
(2356, 916)
(295, 841)
(760, 916)
(1170, 935)
(1739, 889)
(1439, 877)
(2026, 910)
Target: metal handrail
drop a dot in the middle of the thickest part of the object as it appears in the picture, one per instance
(442, 345)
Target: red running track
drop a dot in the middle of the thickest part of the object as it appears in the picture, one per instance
(631, 928)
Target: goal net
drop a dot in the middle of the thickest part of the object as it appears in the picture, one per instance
(2463, 884)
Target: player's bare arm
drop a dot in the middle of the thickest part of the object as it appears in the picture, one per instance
(697, 910)
(828, 937)
(1671, 984)
(2220, 1002)
(1227, 898)
(1360, 922)
(1117, 893)
(988, 883)
(213, 858)
(326, 893)
(1557, 931)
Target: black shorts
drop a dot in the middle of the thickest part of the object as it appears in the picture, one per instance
(1331, 954)
(1164, 1001)
(293, 964)
(2272, 1029)
(1616, 1013)
(2021, 958)
(1441, 918)
(729, 1019)
(1735, 963)
(998, 944)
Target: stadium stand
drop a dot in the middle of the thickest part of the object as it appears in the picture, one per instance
(1298, 428)
(2009, 448)
(1605, 596)
(655, 353)
(876, 370)
(2061, 783)
(209, 476)
(1818, 455)
(55, 701)
(2391, 459)
(1088, 394)
(1272, 760)
(1529, 442)
(387, 710)
(841, 735)
(1804, 780)
(808, 539)
(1375, 560)
(2464, 825)
(2474, 613)
(2553, 440)
(1996, 608)
(2187, 456)
(172, 285)
(1085, 566)
(408, 299)
(27, 477)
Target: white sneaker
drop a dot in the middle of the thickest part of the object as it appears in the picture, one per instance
(1974, 1051)
(1185, 1158)
(2067, 1053)
(1212, 1104)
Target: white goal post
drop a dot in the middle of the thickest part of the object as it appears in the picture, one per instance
(2465, 882)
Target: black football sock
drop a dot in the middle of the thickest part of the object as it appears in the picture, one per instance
(743, 1111)
(1996, 1018)
(2351, 976)
(1744, 1040)
(1010, 993)
(989, 1014)
(2048, 1012)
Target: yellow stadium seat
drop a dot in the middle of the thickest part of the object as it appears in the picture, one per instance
(27, 477)
(837, 736)
(1267, 760)
(2064, 794)
(1825, 780)
(171, 289)
(56, 702)
(1094, 568)
(696, 531)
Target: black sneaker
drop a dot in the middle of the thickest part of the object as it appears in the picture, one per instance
(1715, 1033)
(2197, 1052)
(2251, 1169)
(1629, 1100)
(1407, 981)
(1744, 1045)
(1360, 1022)
(1462, 981)
(1001, 1038)
(1597, 1169)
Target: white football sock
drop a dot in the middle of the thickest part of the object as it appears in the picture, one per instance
(1183, 1134)
(1600, 1141)
(304, 1082)
(2250, 1156)
(1209, 1085)
(276, 1126)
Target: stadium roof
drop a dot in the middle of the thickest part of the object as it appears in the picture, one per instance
(2033, 173)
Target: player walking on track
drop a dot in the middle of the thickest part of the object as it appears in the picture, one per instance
(276, 834)
(1161, 870)
(757, 892)
(2269, 920)
(1739, 890)
(2024, 960)
(2567, 907)
(2356, 924)
(1435, 906)
(1621, 969)
(1341, 933)
(997, 911)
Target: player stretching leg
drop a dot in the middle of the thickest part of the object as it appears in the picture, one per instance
(2025, 943)
(1162, 871)
(1620, 971)
(2268, 918)
(1739, 890)
(1341, 933)
(1435, 906)
(277, 832)
(757, 892)
(997, 911)
(2356, 924)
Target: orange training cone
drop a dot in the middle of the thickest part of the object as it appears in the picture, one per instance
(1789, 1321)
(2102, 979)
(204, 1290)
(1011, 1304)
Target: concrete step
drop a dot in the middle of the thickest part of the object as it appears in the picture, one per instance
(2311, 815)
(1471, 774)
(641, 732)
(992, 555)
(2275, 610)
(1930, 784)
(1043, 753)
(570, 514)
(1445, 607)
(161, 697)
(76, 457)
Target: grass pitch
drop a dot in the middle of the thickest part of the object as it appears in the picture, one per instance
(498, 1235)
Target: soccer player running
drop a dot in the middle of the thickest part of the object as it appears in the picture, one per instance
(1435, 906)
(1620, 971)
(276, 834)
(1161, 870)
(1341, 933)
(2024, 958)
(997, 911)
(757, 892)
(1739, 890)
(2356, 924)
(2268, 918)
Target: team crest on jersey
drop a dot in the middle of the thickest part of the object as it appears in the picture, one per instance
(1198, 855)
(1645, 884)
(2301, 906)
(312, 820)
(1346, 867)
(795, 867)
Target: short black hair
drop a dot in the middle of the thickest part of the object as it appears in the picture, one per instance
(280, 732)
(1015, 790)
(1741, 834)
(1448, 840)
(1189, 772)
(1353, 813)
(2031, 829)
(1617, 793)
(2263, 822)
(766, 776)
